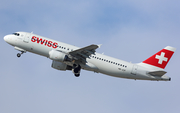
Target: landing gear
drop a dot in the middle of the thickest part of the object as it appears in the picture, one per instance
(77, 75)
(19, 54)
(76, 69)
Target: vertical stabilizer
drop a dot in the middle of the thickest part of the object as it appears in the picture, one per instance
(161, 58)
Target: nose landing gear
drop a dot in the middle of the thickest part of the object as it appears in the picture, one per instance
(19, 54)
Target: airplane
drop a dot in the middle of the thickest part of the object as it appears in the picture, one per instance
(68, 57)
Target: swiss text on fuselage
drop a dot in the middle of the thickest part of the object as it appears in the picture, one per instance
(44, 41)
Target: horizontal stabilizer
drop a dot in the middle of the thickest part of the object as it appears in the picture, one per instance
(157, 73)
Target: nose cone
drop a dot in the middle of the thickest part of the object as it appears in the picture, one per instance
(6, 38)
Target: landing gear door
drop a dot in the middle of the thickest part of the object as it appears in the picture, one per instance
(26, 38)
(134, 69)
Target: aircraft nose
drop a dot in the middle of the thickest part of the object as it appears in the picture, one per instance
(6, 38)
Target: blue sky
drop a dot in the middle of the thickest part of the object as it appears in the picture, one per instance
(129, 30)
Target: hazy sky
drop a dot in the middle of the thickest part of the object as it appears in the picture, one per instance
(130, 30)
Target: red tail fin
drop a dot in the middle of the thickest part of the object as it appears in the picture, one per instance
(161, 58)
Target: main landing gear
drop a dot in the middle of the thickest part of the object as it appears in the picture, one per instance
(76, 69)
(19, 54)
(77, 75)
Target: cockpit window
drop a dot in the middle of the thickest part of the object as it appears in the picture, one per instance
(17, 34)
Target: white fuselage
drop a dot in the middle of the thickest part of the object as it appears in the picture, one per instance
(96, 62)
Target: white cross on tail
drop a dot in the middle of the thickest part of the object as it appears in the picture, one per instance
(161, 58)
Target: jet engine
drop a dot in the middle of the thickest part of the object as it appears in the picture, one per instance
(58, 56)
(60, 66)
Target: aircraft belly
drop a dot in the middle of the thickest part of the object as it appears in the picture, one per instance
(113, 70)
(44, 51)
(35, 48)
(120, 72)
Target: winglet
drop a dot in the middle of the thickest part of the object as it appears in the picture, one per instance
(99, 45)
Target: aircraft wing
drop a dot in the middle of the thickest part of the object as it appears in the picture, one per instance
(85, 52)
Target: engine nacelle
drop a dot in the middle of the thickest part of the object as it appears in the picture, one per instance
(59, 66)
(58, 56)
